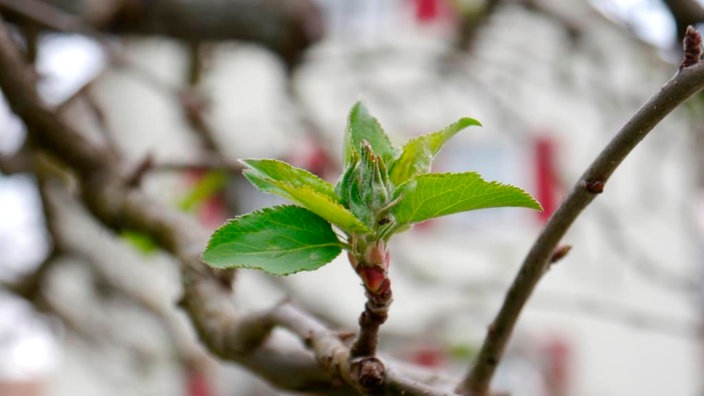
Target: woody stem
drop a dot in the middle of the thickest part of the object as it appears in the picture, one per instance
(375, 313)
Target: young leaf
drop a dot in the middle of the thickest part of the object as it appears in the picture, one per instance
(418, 153)
(140, 241)
(435, 195)
(206, 187)
(361, 127)
(303, 187)
(283, 172)
(279, 240)
(364, 188)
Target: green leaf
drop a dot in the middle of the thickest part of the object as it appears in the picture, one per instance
(202, 190)
(361, 127)
(140, 241)
(418, 153)
(434, 195)
(283, 172)
(303, 187)
(279, 240)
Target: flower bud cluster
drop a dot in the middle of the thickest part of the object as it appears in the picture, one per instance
(366, 190)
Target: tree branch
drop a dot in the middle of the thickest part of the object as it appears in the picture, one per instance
(312, 366)
(684, 84)
(14, 163)
(287, 27)
(327, 343)
(105, 194)
(43, 14)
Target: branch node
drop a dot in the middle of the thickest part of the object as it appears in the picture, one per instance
(308, 339)
(595, 186)
(369, 372)
(560, 253)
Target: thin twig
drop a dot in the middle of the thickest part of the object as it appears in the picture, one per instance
(44, 14)
(372, 266)
(684, 84)
(201, 163)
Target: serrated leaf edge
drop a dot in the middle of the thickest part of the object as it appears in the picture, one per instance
(329, 187)
(457, 126)
(331, 199)
(359, 105)
(530, 199)
(264, 211)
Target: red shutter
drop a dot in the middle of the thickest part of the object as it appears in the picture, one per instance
(545, 176)
(426, 10)
(197, 383)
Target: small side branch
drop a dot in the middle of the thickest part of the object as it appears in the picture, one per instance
(688, 81)
(371, 262)
(367, 370)
(376, 311)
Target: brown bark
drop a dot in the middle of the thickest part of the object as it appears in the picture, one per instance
(287, 27)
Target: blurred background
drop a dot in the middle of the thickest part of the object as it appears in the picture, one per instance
(184, 88)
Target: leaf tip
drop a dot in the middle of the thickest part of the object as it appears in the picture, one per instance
(537, 206)
(468, 121)
(358, 106)
(250, 164)
(246, 161)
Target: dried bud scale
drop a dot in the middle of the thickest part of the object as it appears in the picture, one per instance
(691, 47)
(560, 253)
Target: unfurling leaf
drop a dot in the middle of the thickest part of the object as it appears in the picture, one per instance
(361, 127)
(417, 155)
(302, 187)
(279, 240)
(364, 188)
(434, 195)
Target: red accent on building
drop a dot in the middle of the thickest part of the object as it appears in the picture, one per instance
(558, 367)
(197, 384)
(545, 176)
(426, 10)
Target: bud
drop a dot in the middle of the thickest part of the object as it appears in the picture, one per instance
(377, 255)
(353, 259)
(364, 187)
(373, 277)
